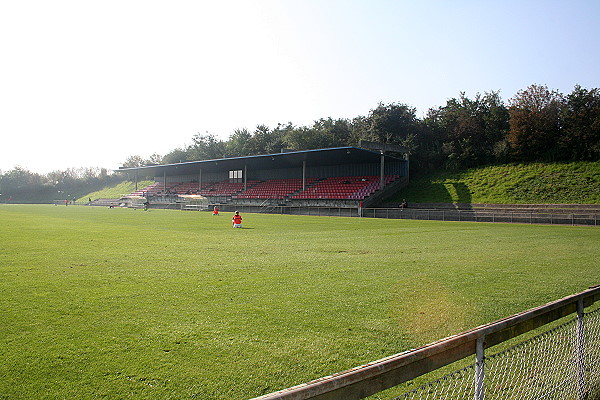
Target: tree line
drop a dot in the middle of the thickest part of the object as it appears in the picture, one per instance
(20, 185)
(537, 124)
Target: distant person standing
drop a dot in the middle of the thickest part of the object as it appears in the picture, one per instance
(66, 202)
(237, 220)
(404, 203)
(216, 210)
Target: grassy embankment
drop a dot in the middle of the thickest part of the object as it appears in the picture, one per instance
(538, 183)
(114, 192)
(125, 304)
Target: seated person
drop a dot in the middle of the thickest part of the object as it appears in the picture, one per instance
(237, 220)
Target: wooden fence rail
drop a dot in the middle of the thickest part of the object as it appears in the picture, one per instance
(365, 380)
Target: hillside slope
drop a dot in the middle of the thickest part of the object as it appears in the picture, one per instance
(114, 192)
(537, 183)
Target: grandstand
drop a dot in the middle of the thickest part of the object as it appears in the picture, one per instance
(337, 177)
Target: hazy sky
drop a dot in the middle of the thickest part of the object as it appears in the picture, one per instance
(89, 83)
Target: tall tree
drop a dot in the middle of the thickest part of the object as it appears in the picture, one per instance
(266, 141)
(176, 156)
(337, 131)
(427, 152)
(206, 147)
(392, 123)
(580, 139)
(239, 143)
(359, 129)
(535, 123)
(134, 161)
(473, 127)
(282, 131)
(307, 138)
(154, 159)
(20, 177)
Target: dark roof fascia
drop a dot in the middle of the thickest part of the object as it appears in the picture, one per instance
(254, 157)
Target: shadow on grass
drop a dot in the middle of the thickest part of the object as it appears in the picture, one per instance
(441, 193)
(463, 193)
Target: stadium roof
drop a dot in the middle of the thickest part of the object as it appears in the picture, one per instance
(292, 159)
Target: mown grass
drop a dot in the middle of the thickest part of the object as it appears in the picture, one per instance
(537, 183)
(114, 192)
(124, 304)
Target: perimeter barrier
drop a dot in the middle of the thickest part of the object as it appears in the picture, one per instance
(521, 217)
(560, 363)
(590, 219)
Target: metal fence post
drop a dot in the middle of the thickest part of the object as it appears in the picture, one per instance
(580, 352)
(479, 369)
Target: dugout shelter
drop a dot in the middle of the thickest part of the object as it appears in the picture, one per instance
(341, 176)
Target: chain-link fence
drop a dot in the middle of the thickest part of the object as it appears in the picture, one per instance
(561, 363)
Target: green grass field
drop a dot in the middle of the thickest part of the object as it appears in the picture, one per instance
(124, 304)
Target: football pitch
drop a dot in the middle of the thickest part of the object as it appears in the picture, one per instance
(126, 304)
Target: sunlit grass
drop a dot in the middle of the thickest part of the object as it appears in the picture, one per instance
(116, 191)
(537, 183)
(118, 303)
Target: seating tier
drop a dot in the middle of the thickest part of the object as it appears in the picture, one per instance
(346, 188)
(274, 189)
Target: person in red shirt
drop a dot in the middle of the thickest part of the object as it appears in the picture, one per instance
(237, 220)
(216, 210)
